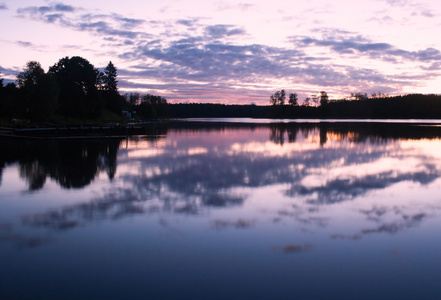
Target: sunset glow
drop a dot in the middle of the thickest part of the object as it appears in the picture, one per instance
(234, 52)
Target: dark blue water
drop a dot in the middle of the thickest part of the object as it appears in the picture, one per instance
(305, 211)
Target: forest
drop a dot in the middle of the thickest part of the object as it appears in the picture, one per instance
(72, 90)
(215, 110)
(357, 106)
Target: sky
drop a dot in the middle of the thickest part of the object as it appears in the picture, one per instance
(232, 52)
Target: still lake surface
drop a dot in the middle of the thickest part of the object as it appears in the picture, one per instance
(206, 210)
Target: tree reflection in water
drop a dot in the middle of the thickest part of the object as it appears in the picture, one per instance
(199, 167)
(313, 210)
(73, 163)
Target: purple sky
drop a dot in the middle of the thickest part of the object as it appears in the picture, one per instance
(234, 52)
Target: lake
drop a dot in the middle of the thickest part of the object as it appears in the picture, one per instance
(225, 210)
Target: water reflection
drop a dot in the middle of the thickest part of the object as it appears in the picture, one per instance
(191, 169)
(322, 205)
(292, 248)
(73, 164)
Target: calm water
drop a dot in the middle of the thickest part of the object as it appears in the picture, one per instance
(225, 211)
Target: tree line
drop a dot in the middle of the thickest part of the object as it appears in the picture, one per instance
(216, 110)
(278, 98)
(71, 88)
(146, 105)
(358, 106)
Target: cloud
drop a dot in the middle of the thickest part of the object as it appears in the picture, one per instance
(429, 54)
(64, 8)
(239, 224)
(104, 28)
(219, 31)
(110, 28)
(106, 25)
(243, 7)
(8, 72)
(416, 8)
(187, 23)
(293, 248)
(433, 67)
(338, 190)
(210, 62)
(424, 13)
(403, 223)
(383, 51)
(24, 241)
(382, 20)
(202, 60)
(24, 44)
(128, 23)
(398, 2)
(192, 24)
(42, 10)
(211, 55)
(54, 17)
(246, 6)
(347, 46)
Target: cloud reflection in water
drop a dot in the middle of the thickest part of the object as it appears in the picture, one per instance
(315, 169)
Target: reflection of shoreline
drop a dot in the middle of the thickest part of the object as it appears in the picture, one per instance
(194, 170)
(362, 130)
(73, 164)
(401, 223)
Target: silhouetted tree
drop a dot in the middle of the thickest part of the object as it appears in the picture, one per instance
(282, 97)
(78, 80)
(307, 101)
(133, 98)
(293, 99)
(38, 92)
(359, 96)
(2, 98)
(31, 74)
(323, 98)
(378, 95)
(152, 106)
(9, 106)
(274, 98)
(315, 99)
(109, 83)
(278, 98)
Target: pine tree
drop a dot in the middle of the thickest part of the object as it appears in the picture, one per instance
(109, 78)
